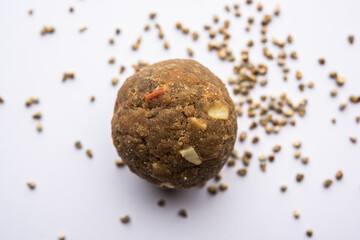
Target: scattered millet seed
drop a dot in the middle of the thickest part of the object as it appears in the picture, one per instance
(311, 84)
(120, 163)
(333, 93)
(296, 214)
(125, 219)
(30, 11)
(82, 29)
(190, 52)
(237, 13)
(135, 46)
(305, 160)
(277, 10)
(297, 144)
(289, 113)
(117, 31)
(333, 75)
(89, 153)
(92, 98)
(223, 187)
(195, 36)
(333, 120)
(78, 145)
(354, 99)
(301, 87)
(327, 183)
(297, 154)
(39, 127)
(271, 157)
(245, 160)
(268, 129)
(339, 175)
(1, 100)
(251, 20)
(248, 154)
(31, 185)
(353, 139)
(122, 69)
(217, 177)
(161, 34)
(250, 43)
(342, 106)
(281, 44)
(212, 34)
(264, 30)
(235, 154)
(253, 125)
(185, 30)
(351, 39)
(277, 148)
(47, 30)
(301, 112)
(207, 27)
(112, 60)
(114, 81)
(161, 203)
(294, 55)
(152, 15)
(212, 190)
(71, 9)
(298, 75)
(216, 18)
(264, 82)
(178, 25)
(68, 75)
(259, 7)
(281, 62)
(299, 177)
(111, 41)
(289, 39)
(283, 188)
(340, 81)
(37, 115)
(266, 19)
(226, 25)
(322, 61)
(157, 25)
(262, 158)
(255, 140)
(236, 5)
(231, 163)
(182, 213)
(357, 119)
(147, 27)
(249, 1)
(61, 237)
(263, 167)
(166, 45)
(242, 172)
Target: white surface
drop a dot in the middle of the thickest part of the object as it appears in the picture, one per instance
(84, 199)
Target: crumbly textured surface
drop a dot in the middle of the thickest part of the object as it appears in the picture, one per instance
(174, 124)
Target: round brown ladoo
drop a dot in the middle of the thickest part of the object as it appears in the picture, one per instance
(174, 124)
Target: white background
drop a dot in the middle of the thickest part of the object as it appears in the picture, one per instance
(84, 198)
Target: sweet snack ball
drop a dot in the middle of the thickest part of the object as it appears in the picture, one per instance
(174, 124)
